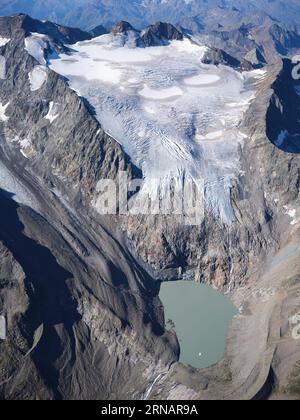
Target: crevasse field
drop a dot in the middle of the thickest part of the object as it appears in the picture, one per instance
(173, 115)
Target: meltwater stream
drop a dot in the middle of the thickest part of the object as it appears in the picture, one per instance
(201, 317)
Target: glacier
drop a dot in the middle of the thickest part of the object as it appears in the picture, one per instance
(173, 115)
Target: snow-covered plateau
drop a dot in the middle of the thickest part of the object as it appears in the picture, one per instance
(173, 115)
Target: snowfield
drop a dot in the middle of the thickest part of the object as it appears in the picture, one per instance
(172, 114)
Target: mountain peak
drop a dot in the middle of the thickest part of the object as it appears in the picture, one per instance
(161, 32)
(21, 21)
(123, 27)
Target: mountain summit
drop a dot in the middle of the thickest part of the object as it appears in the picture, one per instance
(160, 32)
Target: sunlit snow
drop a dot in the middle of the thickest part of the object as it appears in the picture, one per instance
(52, 115)
(172, 114)
(37, 77)
(4, 41)
(3, 108)
(35, 44)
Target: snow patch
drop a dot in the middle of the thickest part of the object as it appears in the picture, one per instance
(3, 108)
(26, 147)
(37, 77)
(35, 45)
(2, 328)
(51, 116)
(2, 67)
(292, 213)
(3, 41)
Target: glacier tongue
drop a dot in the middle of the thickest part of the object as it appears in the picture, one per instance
(171, 113)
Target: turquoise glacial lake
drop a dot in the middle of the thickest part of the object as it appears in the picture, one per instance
(201, 317)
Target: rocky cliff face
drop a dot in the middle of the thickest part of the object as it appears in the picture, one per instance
(159, 33)
(79, 293)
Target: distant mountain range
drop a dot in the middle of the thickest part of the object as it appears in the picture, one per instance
(87, 14)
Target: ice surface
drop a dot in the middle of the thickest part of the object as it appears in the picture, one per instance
(292, 213)
(37, 77)
(174, 115)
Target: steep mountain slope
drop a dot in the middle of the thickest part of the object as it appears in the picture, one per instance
(90, 297)
(62, 271)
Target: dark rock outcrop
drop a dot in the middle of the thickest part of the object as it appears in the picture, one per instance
(160, 33)
(62, 34)
(98, 31)
(217, 56)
